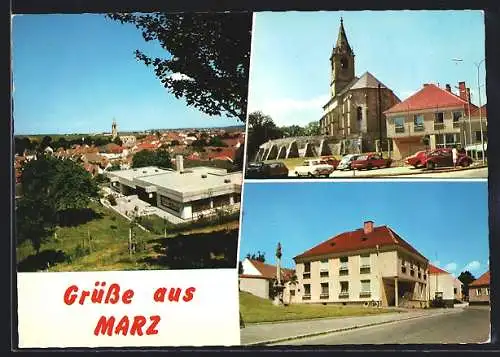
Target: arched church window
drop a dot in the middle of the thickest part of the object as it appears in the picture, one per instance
(359, 113)
(344, 63)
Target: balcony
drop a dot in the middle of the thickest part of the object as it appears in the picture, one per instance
(306, 275)
(323, 274)
(324, 296)
(399, 129)
(365, 294)
(438, 126)
(417, 128)
(344, 295)
(306, 297)
(456, 124)
(343, 271)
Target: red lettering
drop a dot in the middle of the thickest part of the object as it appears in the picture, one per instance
(139, 322)
(85, 293)
(127, 296)
(97, 294)
(159, 295)
(174, 294)
(69, 297)
(152, 328)
(113, 294)
(188, 294)
(104, 326)
(122, 326)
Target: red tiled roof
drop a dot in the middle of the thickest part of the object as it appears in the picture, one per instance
(232, 141)
(429, 97)
(475, 112)
(228, 152)
(352, 241)
(268, 271)
(434, 270)
(483, 280)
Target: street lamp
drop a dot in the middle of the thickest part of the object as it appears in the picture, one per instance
(480, 114)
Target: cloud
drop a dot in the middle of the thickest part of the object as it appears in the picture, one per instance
(180, 77)
(450, 267)
(472, 266)
(288, 111)
(436, 263)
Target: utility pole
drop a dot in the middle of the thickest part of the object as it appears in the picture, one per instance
(379, 107)
(480, 113)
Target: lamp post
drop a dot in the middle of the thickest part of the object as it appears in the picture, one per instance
(480, 114)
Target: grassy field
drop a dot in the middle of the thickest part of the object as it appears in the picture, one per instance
(254, 309)
(71, 249)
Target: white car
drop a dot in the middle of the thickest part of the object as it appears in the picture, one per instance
(345, 163)
(314, 168)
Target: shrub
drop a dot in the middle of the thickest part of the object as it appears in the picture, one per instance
(111, 200)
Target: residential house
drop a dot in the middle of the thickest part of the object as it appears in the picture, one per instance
(472, 129)
(258, 278)
(442, 285)
(458, 289)
(432, 113)
(479, 290)
(370, 265)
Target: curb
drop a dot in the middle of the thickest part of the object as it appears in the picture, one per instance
(314, 334)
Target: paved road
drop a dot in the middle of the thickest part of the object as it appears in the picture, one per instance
(407, 171)
(471, 325)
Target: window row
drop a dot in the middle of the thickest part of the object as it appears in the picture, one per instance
(418, 122)
(364, 267)
(343, 292)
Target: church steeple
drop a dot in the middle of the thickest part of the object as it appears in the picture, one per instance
(342, 62)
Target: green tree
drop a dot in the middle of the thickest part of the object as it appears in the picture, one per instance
(261, 129)
(466, 278)
(259, 256)
(144, 158)
(34, 222)
(163, 158)
(118, 141)
(216, 142)
(293, 130)
(46, 141)
(22, 144)
(114, 167)
(312, 129)
(208, 61)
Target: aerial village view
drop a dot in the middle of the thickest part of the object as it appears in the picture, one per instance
(360, 106)
(134, 172)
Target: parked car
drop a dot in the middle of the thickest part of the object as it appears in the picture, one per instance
(417, 159)
(444, 158)
(345, 163)
(370, 161)
(256, 170)
(314, 168)
(331, 161)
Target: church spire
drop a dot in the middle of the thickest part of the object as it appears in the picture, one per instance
(342, 44)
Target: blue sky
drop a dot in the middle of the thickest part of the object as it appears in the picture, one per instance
(445, 221)
(75, 73)
(290, 68)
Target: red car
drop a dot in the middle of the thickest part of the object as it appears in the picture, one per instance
(416, 160)
(444, 158)
(331, 161)
(370, 161)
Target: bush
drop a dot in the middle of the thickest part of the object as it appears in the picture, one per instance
(111, 200)
(80, 252)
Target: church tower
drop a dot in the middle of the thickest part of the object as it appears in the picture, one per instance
(114, 130)
(342, 63)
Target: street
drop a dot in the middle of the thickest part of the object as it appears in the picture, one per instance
(470, 325)
(408, 171)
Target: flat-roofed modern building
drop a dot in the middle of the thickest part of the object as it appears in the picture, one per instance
(182, 192)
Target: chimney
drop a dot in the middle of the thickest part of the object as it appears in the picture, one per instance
(368, 227)
(179, 163)
(448, 88)
(462, 90)
(426, 84)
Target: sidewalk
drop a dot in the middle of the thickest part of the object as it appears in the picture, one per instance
(263, 334)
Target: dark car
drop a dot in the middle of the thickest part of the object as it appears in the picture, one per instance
(266, 170)
(370, 161)
(444, 158)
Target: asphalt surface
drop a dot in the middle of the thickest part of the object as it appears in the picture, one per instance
(471, 325)
(408, 171)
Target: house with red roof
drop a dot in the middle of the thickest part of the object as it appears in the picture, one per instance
(370, 266)
(258, 277)
(443, 285)
(479, 290)
(433, 113)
